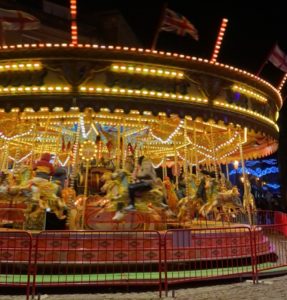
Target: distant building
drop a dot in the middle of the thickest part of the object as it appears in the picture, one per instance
(98, 27)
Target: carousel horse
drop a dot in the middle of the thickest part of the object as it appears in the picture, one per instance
(189, 206)
(4, 186)
(37, 194)
(116, 197)
(116, 184)
(114, 194)
(40, 194)
(69, 197)
(10, 185)
(248, 198)
(44, 193)
(225, 201)
(171, 196)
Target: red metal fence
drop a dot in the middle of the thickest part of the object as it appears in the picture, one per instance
(142, 258)
(275, 259)
(98, 258)
(203, 254)
(15, 259)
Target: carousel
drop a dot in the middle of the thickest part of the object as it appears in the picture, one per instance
(126, 141)
(75, 120)
(129, 151)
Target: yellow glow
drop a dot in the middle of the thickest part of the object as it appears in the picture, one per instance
(246, 112)
(145, 93)
(146, 70)
(249, 93)
(4, 67)
(141, 50)
(236, 164)
(33, 89)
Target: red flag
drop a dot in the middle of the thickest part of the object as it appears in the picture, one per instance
(18, 20)
(177, 23)
(278, 58)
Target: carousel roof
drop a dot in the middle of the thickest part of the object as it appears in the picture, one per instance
(156, 89)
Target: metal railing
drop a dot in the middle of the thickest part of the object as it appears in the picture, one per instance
(144, 258)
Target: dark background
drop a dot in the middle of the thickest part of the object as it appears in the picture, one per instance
(253, 28)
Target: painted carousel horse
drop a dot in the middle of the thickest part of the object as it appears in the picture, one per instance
(69, 197)
(171, 196)
(40, 194)
(4, 187)
(113, 194)
(248, 198)
(44, 194)
(115, 190)
(225, 202)
(10, 185)
(189, 206)
(35, 193)
(116, 198)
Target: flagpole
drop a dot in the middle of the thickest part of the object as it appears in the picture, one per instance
(219, 40)
(157, 32)
(265, 60)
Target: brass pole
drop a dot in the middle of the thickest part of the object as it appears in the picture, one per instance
(118, 152)
(214, 153)
(246, 190)
(195, 150)
(75, 156)
(123, 145)
(185, 158)
(175, 165)
(85, 192)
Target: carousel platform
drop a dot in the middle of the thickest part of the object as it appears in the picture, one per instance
(200, 243)
(206, 249)
(127, 247)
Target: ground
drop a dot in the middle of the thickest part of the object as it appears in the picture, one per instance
(269, 288)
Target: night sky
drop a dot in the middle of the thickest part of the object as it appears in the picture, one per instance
(253, 28)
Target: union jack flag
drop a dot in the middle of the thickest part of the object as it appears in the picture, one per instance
(278, 58)
(18, 20)
(177, 23)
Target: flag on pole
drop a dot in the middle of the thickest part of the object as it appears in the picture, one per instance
(17, 20)
(174, 22)
(278, 58)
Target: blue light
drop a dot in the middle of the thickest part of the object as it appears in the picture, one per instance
(274, 186)
(251, 163)
(237, 96)
(258, 172)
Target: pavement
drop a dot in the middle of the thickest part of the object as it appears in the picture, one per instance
(274, 288)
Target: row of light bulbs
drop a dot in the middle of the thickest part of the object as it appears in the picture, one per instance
(16, 136)
(33, 89)
(247, 112)
(170, 137)
(249, 93)
(145, 93)
(149, 51)
(20, 66)
(147, 70)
